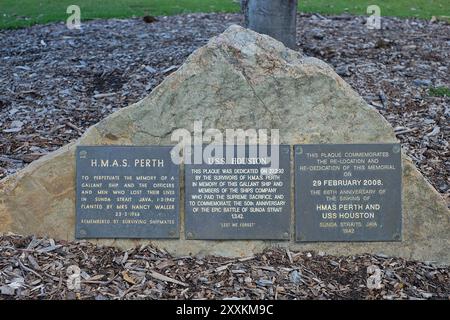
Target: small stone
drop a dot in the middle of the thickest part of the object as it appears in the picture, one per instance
(334, 263)
(383, 43)
(316, 34)
(7, 291)
(434, 132)
(15, 126)
(148, 87)
(398, 68)
(25, 68)
(71, 295)
(427, 295)
(169, 69)
(409, 47)
(64, 92)
(150, 69)
(36, 149)
(13, 111)
(17, 283)
(295, 277)
(343, 71)
(13, 130)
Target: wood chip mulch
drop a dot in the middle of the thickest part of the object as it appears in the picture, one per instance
(35, 268)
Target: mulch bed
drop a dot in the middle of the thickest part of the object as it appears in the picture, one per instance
(32, 268)
(57, 82)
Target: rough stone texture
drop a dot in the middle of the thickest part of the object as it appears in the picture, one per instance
(240, 79)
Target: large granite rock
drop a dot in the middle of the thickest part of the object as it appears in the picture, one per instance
(240, 79)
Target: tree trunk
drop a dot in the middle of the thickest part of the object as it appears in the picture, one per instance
(276, 18)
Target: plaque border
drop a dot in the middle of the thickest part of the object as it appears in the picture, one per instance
(172, 234)
(285, 235)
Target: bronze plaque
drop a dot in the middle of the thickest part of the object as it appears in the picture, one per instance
(348, 192)
(126, 192)
(245, 199)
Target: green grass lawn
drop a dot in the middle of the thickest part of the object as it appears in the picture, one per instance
(21, 13)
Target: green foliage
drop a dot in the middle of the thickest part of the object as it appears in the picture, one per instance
(440, 92)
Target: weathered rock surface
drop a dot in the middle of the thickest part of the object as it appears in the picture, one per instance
(240, 79)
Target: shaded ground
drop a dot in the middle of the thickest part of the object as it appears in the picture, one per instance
(33, 268)
(56, 82)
